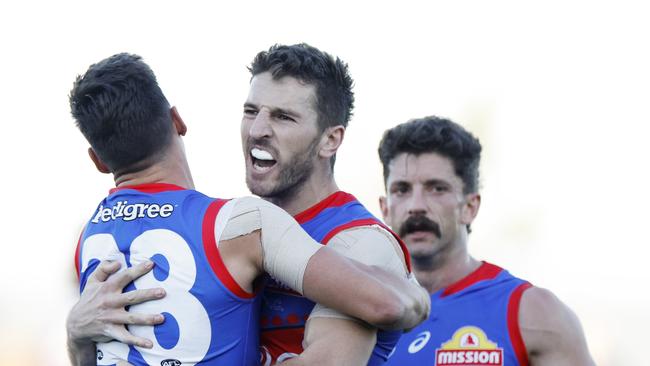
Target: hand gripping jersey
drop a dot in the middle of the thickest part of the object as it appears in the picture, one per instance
(472, 322)
(284, 312)
(209, 319)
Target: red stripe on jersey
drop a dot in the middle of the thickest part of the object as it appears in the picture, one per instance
(276, 342)
(518, 345)
(212, 251)
(334, 200)
(76, 254)
(486, 271)
(368, 222)
(150, 188)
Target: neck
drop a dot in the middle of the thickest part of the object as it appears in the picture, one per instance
(444, 268)
(317, 187)
(172, 169)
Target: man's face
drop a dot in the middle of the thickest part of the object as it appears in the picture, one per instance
(425, 203)
(280, 135)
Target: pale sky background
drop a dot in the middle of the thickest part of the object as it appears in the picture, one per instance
(557, 91)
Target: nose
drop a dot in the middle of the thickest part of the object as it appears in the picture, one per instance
(261, 126)
(416, 204)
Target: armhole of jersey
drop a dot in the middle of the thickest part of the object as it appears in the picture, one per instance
(212, 227)
(517, 341)
(77, 254)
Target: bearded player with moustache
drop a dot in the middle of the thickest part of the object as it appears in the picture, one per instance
(480, 313)
(295, 116)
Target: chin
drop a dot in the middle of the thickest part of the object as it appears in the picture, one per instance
(421, 248)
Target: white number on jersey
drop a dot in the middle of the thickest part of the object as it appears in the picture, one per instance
(191, 317)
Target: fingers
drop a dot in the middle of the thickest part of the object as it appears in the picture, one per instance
(127, 276)
(125, 317)
(122, 335)
(136, 297)
(104, 270)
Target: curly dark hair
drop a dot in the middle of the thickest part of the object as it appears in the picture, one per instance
(437, 135)
(120, 109)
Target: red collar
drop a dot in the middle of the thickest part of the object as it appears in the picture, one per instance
(150, 188)
(485, 271)
(333, 200)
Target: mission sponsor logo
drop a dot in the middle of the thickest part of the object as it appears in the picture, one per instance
(129, 212)
(469, 346)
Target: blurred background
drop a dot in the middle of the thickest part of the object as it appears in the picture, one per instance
(557, 92)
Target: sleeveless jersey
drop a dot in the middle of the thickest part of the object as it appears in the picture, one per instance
(209, 319)
(472, 322)
(284, 312)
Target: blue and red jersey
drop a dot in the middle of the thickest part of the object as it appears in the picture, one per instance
(284, 312)
(209, 318)
(473, 322)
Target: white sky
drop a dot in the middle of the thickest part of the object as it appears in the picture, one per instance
(556, 91)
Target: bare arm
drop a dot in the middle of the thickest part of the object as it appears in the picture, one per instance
(100, 314)
(332, 338)
(365, 292)
(321, 274)
(336, 342)
(551, 331)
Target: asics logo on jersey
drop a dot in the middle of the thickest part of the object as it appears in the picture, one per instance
(122, 210)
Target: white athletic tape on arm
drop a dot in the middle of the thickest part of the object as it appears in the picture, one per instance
(222, 221)
(287, 248)
(371, 245)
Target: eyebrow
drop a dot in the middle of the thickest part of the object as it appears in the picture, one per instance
(275, 111)
(436, 181)
(426, 182)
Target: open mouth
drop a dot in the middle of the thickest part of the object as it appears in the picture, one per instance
(262, 159)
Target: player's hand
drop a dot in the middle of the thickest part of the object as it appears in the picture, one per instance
(423, 300)
(100, 314)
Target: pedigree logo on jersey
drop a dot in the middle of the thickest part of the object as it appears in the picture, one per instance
(122, 210)
(469, 346)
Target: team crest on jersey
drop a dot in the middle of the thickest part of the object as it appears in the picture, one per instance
(469, 346)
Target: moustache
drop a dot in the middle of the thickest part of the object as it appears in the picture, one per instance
(419, 223)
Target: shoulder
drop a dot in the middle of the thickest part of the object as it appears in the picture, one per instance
(370, 244)
(364, 233)
(541, 309)
(549, 328)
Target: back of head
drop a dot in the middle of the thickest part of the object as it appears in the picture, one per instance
(434, 135)
(120, 109)
(334, 96)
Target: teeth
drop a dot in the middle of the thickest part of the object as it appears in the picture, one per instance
(261, 154)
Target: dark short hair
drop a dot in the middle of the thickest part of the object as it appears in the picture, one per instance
(120, 109)
(334, 95)
(435, 135)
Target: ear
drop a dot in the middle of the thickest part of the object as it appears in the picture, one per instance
(383, 205)
(180, 126)
(331, 140)
(99, 164)
(470, 208)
